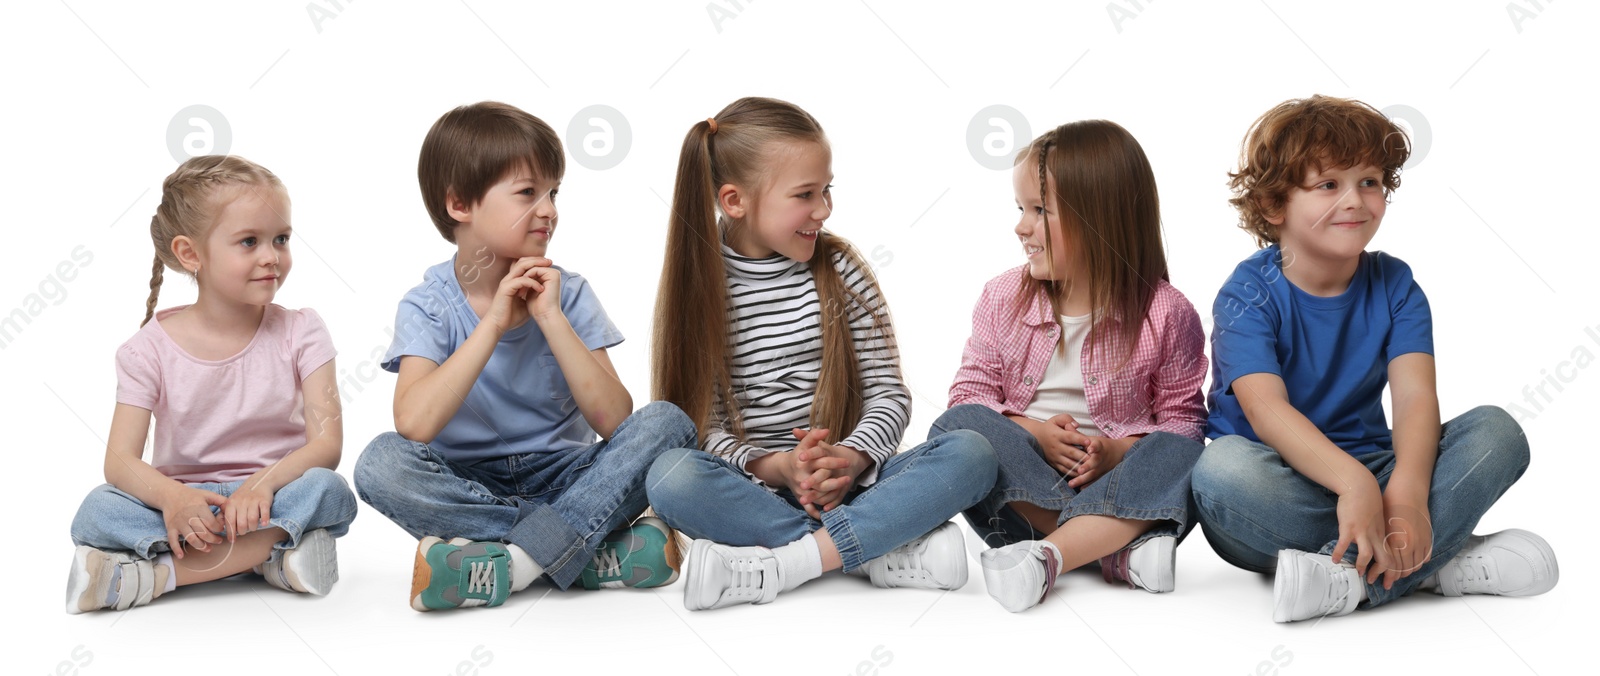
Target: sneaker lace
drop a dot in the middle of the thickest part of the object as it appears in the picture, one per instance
(1471, 569)
(749, 574)
(905, 564)
(1338, 591)
(480, 578)
(606, 563)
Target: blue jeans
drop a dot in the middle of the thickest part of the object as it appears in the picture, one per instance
(1253, 504)
(112, 520)
(708, 498)
(1150, 484)
(556, 506)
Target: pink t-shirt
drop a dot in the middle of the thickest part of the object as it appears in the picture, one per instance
(222, 420)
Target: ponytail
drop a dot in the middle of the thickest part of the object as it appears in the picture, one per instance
(689, 343)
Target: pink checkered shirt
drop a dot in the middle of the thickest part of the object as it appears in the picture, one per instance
(1157, 390)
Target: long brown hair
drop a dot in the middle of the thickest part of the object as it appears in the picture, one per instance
(692, 360)
(1107, 206)
(192, 196)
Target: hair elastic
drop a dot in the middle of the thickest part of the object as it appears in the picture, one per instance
(713, 124)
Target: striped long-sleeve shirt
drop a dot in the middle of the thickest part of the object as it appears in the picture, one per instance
(775, 326)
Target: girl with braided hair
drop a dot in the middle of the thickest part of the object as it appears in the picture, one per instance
(247, 436)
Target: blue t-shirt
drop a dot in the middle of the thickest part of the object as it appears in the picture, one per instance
(1332, 353)
(521, 402)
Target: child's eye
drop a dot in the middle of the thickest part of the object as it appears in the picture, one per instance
(1370, 183)
(1330, 185)
(281, 240)
(248, 242)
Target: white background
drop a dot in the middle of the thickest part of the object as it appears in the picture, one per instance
(1493, 218)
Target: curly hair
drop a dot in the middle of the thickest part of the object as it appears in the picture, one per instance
(1301, 135)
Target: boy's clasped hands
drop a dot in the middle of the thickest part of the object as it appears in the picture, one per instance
(523, 294)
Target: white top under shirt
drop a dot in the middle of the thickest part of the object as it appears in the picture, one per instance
(1061, 389)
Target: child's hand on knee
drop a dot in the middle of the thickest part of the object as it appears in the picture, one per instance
(1360, 512)
(248, 510)
(1410, 537)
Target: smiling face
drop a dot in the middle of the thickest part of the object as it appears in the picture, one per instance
(245, 258)
(1334, 213)
(515, 219)
(786, 211)
(1036, 217)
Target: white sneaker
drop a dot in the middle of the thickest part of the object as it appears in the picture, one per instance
(1511, 562)
(719, 576)
(310, 568)
(1019, 576)
(1311, 585)
(1149, 565)
(937, 560)
(116, 580)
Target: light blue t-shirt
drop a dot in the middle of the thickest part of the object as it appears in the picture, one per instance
(521, 402)
(1332, 353)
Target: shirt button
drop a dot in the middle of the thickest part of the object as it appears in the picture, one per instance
(1027, 380)
(1093, 380)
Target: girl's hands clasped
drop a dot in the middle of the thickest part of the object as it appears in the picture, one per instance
(824, 472)
(1063, 446)
(190, 520)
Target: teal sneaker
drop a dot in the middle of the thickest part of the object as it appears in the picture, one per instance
(642, 555)
(459, 574)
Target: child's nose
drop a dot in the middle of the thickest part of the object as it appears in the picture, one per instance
(1349, 199)
(546, 208)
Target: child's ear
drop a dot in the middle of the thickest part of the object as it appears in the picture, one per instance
(188, 254)
(457, 207)
(731, 200)
(1271, 214)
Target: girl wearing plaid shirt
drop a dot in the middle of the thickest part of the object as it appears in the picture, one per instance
(1083, 371)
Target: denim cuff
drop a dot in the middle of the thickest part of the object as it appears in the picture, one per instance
(844, 537)
(551, 541)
